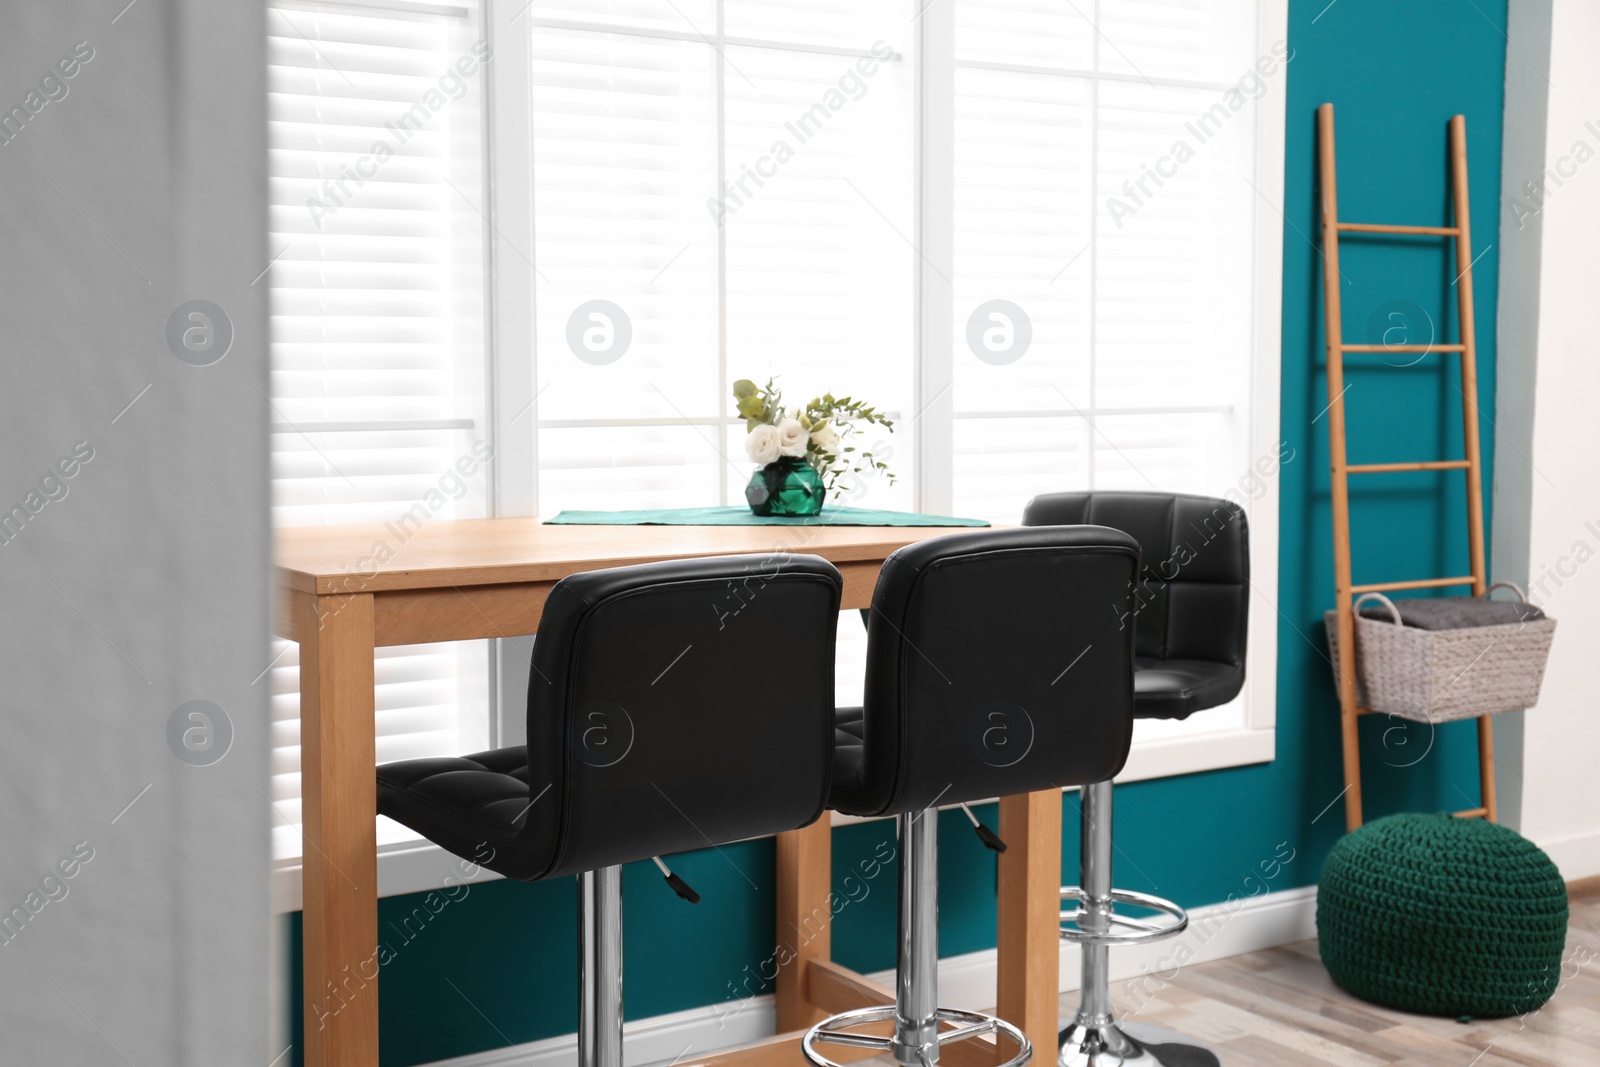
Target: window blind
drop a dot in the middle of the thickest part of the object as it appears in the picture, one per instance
(376, 340)
(716, 184)
(1128, 255)
(733, 181)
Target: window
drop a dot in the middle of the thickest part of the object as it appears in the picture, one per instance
(716, 191)
(377, 349)
(989, 227)
(1107, 217)
(976, 215)
(1131, 370)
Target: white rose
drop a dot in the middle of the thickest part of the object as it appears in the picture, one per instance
(826, 438)
(792, 438)
(762, 444)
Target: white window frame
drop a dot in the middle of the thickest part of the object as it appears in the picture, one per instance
(513, 386)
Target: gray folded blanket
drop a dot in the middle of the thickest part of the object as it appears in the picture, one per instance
(1453, 612)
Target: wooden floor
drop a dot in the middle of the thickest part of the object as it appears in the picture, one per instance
(1278, 1008)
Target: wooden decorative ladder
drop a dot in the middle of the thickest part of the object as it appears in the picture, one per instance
(1349, 711)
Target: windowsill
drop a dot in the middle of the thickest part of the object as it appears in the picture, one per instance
(419, 866)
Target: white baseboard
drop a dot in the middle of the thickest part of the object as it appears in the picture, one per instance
(1215, 932)
(1577, 856)
(661, 1039)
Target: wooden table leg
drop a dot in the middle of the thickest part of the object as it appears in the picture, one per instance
(1028, 994)
(805, 918)
(340, 864)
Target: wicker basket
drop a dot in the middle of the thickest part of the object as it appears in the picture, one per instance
(1443, 675)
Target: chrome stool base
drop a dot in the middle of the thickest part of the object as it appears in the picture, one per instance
(915, 1015)
(1133, 1045)
(1094, 1038)
(833, 1031)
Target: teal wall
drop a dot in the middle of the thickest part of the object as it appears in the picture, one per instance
(499, 965)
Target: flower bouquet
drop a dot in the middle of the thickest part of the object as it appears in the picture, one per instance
(802, 452)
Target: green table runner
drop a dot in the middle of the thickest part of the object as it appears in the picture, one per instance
(742, 516)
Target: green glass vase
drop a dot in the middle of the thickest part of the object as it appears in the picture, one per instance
(787, 487)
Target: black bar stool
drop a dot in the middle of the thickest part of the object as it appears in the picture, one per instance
(641, 742)
(997, 663)
(1189, 617)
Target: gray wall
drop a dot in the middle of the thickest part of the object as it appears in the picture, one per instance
(139, 582)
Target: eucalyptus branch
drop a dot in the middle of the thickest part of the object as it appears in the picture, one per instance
(828, 422)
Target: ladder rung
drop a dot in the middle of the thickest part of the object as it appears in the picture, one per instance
(1388, 468)
(1472, 813)
(1402, 348)
(1382, 227)
(1419, 583)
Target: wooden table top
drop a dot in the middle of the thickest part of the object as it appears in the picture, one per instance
(463, 552)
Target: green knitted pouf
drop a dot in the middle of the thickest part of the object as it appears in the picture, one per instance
(1442, 916)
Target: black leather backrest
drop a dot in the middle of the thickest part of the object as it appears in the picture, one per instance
(677, 705)
(995, 665)
(1194, 593)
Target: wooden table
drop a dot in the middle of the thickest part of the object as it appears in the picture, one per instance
(344, 591)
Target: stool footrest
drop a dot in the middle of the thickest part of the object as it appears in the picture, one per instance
(1121, 929)
(832, 1030)
(844, 1037)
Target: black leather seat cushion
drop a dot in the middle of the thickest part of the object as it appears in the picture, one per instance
(1177, 688)
(482, 797)
(996, 664)
(849, 743)
(1191, 608)
(849, 728)
(651, 726)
